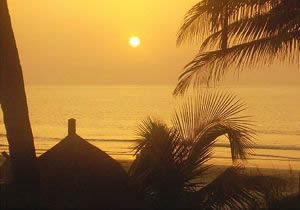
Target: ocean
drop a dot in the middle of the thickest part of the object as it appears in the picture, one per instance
(108, 117)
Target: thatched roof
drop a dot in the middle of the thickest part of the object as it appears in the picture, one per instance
(76, 174)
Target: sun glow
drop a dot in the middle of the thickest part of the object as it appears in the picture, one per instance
(134, 41)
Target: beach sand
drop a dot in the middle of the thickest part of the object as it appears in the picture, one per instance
(292, 176)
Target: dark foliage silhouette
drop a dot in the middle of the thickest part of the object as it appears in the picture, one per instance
(171, 161)
(238, 34)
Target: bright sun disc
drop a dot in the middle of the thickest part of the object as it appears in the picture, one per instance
(134, 41)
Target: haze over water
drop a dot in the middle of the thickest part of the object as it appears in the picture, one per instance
(108, 117)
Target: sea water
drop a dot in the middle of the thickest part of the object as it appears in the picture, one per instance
(108, 117)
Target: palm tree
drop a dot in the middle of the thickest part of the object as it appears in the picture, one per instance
(16, 119)
(171, 161)
(238, 34)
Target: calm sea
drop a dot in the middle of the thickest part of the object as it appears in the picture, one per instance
(108, 117)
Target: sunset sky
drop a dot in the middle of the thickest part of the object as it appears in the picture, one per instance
(86, 42)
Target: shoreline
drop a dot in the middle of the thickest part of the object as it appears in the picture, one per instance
(289, 174)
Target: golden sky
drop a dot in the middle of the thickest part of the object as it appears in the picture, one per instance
(86, 41)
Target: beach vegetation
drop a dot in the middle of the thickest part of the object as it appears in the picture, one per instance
(172, 161)
(235, 35)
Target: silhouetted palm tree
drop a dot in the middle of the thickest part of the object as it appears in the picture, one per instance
(16, 119)
(171, 162)
(239, 34)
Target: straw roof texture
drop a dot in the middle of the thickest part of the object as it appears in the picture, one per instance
(77, 175)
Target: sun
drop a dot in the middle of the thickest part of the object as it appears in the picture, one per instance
(134, 41)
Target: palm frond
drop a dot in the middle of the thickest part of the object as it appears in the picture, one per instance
(270, 24)
(149, 132)
(163, 145)
(209, 115)
(187, 146)
(211, 66)
(206, 17)
(194, 26)
(159, 170)
(170, 161)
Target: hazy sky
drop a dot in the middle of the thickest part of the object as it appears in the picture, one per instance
(86, 42)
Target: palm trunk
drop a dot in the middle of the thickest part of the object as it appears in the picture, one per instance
(224, 42)
(16, 119)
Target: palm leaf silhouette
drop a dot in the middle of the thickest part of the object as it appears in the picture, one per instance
(170, 161)
(255, 33)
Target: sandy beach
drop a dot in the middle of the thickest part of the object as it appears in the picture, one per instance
(292, 176)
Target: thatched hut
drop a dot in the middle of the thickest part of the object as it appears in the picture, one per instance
(77, 175)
